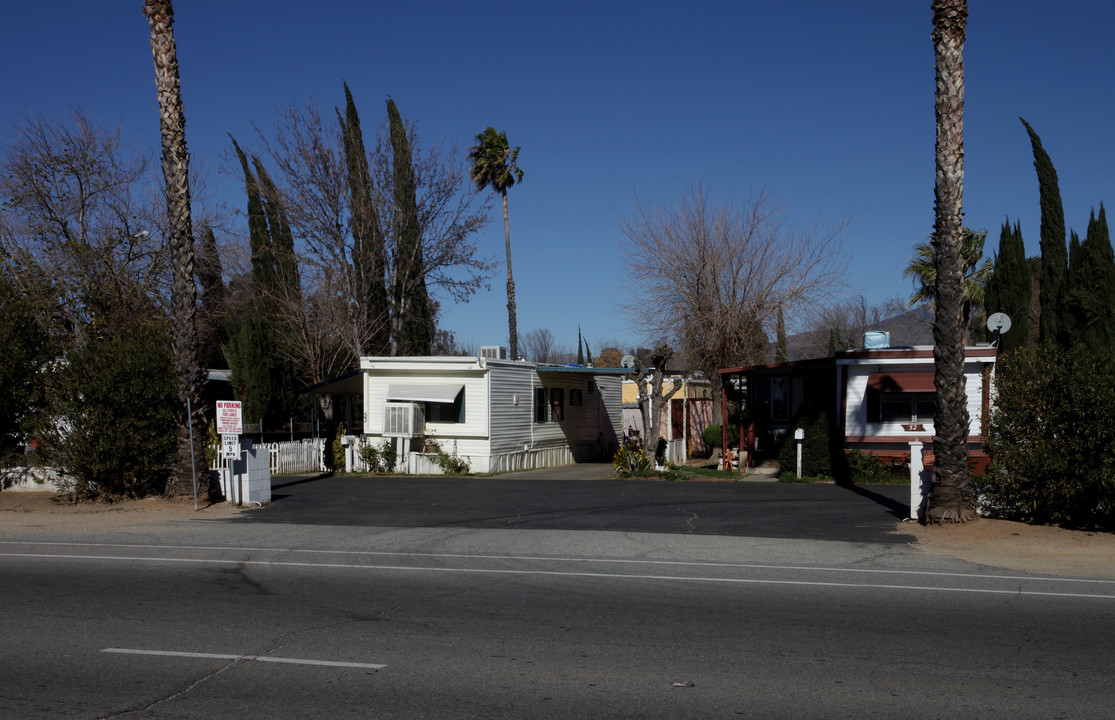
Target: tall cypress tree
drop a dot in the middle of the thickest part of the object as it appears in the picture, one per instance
(1054, 262)
(259, 239)
(781, 354)
(1009, 287)
(211, 314)
(283, 258)
(414, 317)
(368, 249)
(1091, 293)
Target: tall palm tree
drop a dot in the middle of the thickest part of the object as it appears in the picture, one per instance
(951, 498)
(172, 123)
(494, 165)
(923, 269)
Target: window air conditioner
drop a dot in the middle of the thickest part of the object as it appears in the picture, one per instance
(403, 420)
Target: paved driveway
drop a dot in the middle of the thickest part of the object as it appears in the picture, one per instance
(581, 498)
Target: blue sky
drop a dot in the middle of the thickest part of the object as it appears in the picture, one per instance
(828, 105)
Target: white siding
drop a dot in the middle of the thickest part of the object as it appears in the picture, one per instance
(856, 411)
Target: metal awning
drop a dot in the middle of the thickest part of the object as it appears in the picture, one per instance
(349, 384)
(424, 393)
(912, 382)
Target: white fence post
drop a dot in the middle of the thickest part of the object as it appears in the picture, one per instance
(917, 482)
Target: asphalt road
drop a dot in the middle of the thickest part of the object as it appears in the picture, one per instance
(534, 501)
(535, 598)
(147, 628)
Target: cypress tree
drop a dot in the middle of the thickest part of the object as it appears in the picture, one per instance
(780, 352)
(259, 239)
(1091, 295)
(368, 250)
(211, 314)
(281, 238)
(1054, 263)
(1009, 287)
(580, 348)
(415, 322)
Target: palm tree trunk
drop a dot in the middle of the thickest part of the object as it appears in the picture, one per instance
(951, 498)
(512, 322)
(175, 161)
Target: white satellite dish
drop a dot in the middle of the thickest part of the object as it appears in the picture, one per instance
(628, 361)
(998, 322)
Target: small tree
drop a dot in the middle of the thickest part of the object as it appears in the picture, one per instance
(111, 427)
(651, 396)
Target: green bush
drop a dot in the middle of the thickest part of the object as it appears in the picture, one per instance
(451, 463)
(110, 423)
(713, 436)
(379, 459)
(817, 451)
(863, 466)
(1050, 436)
(335, 454)
(629, 461)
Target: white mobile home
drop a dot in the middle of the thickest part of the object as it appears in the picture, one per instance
(497, 414)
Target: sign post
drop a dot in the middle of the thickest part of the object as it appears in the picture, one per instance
(230, 425)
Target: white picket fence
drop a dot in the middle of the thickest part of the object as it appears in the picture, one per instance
(290, 457)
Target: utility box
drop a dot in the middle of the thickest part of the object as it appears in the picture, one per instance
(248, 479)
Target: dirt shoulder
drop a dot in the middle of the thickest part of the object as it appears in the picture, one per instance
(1039, 549)
(30, 511)
(997, 543)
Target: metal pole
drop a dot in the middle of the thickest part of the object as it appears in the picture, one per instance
(193, 460)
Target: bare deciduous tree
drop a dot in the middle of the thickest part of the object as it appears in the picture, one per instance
(74, 211)
(309, 155)
(712, 276)
(540, 346)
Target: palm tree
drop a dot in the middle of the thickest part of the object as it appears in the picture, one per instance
(172, 123)
(951, 498)
(977, 270)
(494, 165)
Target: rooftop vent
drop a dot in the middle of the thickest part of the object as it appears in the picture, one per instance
(876, 339)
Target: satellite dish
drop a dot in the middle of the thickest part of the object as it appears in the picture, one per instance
(998, 322)
(628, 361)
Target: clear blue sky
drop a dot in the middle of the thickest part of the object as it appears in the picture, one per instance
(826, 104)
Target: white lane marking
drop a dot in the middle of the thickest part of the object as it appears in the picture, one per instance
(255, 658)
(548, 558)
(559, 573)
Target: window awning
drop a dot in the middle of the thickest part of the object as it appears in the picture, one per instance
(911, 382)
(424, 393)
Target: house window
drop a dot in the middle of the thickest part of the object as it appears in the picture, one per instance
(905, 407)
(540, 412)
(557, 404)
(441, 412)
(576, 399)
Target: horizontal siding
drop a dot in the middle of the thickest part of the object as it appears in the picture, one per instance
(512, 399)
(475, 384)
(855, 416)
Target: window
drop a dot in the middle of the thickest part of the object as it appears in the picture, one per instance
(557, 404)
(446, 412)
(540, 413)
(576, 399)
(905, 407)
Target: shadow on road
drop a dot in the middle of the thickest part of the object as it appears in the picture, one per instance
(897, 508)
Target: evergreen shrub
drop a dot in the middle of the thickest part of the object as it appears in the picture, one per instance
(821, 455)
(1050, 436)
(110, 425)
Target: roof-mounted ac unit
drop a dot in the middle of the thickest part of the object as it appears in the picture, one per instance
(493, 352)
(403, 420)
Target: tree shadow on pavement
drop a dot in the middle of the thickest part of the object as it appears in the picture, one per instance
(897, 508)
